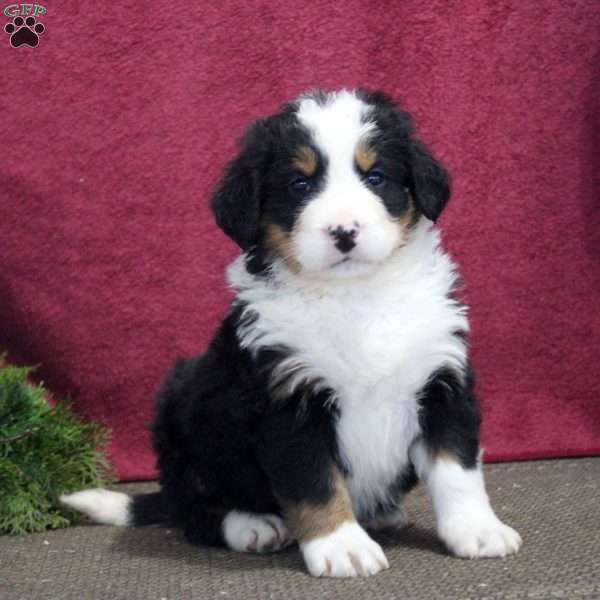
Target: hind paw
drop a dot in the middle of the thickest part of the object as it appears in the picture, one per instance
(248, 532)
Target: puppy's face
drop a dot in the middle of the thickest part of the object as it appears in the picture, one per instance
(332, 185)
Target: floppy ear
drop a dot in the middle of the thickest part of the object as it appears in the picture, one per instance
(429, 182)
(236, 202)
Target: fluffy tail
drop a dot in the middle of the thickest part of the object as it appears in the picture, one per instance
(116, 508)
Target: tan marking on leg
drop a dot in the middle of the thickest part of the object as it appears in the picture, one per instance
(309, 520)
(305, 161)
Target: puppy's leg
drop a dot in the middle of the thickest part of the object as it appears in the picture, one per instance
(333, 544)
(295, 453)
(465, 520)
(255, 532)
(239, 530)
(446, 459)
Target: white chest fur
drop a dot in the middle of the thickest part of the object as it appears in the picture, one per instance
(374, 340)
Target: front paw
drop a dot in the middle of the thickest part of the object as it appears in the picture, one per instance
(479, 536)
(347, 552)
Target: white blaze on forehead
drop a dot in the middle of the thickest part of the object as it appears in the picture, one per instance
(337, 127)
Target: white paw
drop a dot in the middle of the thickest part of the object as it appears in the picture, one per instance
(347, 552)
(250, 532)
(479, 536)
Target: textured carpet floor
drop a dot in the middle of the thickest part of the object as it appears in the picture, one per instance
(554, 504)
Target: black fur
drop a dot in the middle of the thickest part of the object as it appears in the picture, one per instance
(208, 414)
(298, 447)
(150, 508)
(429, 182)
(237, 201)
(450, 418)
(222, 443)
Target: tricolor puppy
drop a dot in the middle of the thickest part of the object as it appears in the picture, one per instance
(341, 375)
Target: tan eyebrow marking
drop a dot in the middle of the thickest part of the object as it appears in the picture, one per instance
(366, 156)
(305, 161)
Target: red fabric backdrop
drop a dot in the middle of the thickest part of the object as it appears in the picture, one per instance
(116, 127)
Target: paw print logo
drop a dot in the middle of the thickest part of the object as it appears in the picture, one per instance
(24, 31)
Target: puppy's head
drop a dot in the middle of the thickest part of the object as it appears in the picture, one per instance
(332, 185)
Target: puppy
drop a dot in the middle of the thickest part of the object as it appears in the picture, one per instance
(341, 374)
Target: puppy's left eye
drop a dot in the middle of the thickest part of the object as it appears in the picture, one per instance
(375, 178)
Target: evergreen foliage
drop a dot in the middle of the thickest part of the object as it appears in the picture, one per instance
(45, 451)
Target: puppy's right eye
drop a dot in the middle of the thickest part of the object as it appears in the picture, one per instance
(300, 185)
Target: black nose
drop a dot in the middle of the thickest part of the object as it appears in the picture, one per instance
(344, 238)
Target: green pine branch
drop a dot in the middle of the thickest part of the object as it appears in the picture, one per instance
(45, 451)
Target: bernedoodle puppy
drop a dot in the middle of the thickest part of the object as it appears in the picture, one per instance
(341, 375)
